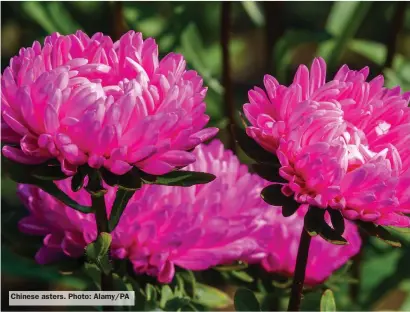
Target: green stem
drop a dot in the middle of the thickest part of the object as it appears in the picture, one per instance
(96, 190)
(300, 271)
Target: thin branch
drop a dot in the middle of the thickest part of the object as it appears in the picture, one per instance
(118, 20)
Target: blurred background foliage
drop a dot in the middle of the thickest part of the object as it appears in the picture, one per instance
(265, 37)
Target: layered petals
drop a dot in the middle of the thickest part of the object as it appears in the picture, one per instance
(343, 144)
(90, 100)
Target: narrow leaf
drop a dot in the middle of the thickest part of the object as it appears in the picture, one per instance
(122, 198)
(379, 232)
(97, 252)
(254, 12)
(268, 172)
(77, 182)
(150, 292)
(253, 149)
(37, 12)
(331, 235)
(179, 178)
(273, 195)
(243, 276)
(46, 172)
(245, 300)
(211, 297)
(343, 23)
(327, 302)
(314, 220)
(166, 295)
(338, 222)
(177, 304)
(52, 189)
(190, 280)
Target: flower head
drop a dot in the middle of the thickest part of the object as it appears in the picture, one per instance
(113, 104)
(324, 258)
(343, 144)
(194, 228)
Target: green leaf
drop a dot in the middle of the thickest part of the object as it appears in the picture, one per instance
(269, 172)
(243, 276)
(194, 52)
(330, 235)
(150, 292)
(97, 252)
(343, 22)
(52, 189)
(327, 302)
(338, 222)
(373, 51)
(21, 173)
(238, 265)
(189, 278)
(245, 300)
(151, 298)
(176, 304)
(286, 45)
(46, 172)
(62, 18)
(211, 297)
(273, 195)
(379, 232)
(92, 271)
(314, 220)
(166, 295)
(139, 294)
(180, 178)
(122, 198)
(254, 12)
(315, 224)
(253, 149)
(77, 182)
(37, 12)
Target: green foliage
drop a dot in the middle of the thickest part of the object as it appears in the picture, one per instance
(315, 224)
(379, 232)
(355, 33)
(245, 300)
(211, 297)
(272, 194)
(179, 178)
(253, 149)
(97, 252)
(343, 23)
(254, 11)
(327, 302)
(41, 176)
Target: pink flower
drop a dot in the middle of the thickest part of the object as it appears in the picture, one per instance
(89, 100)
(343, 144)
(194, 228)
(324, 258)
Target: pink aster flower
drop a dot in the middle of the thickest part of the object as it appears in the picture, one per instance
(113, 104)
(324, 258)
(343, 144)
(162, 227)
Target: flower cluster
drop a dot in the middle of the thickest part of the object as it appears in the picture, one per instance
(343, 144)
(194, 228)
(93, 101)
